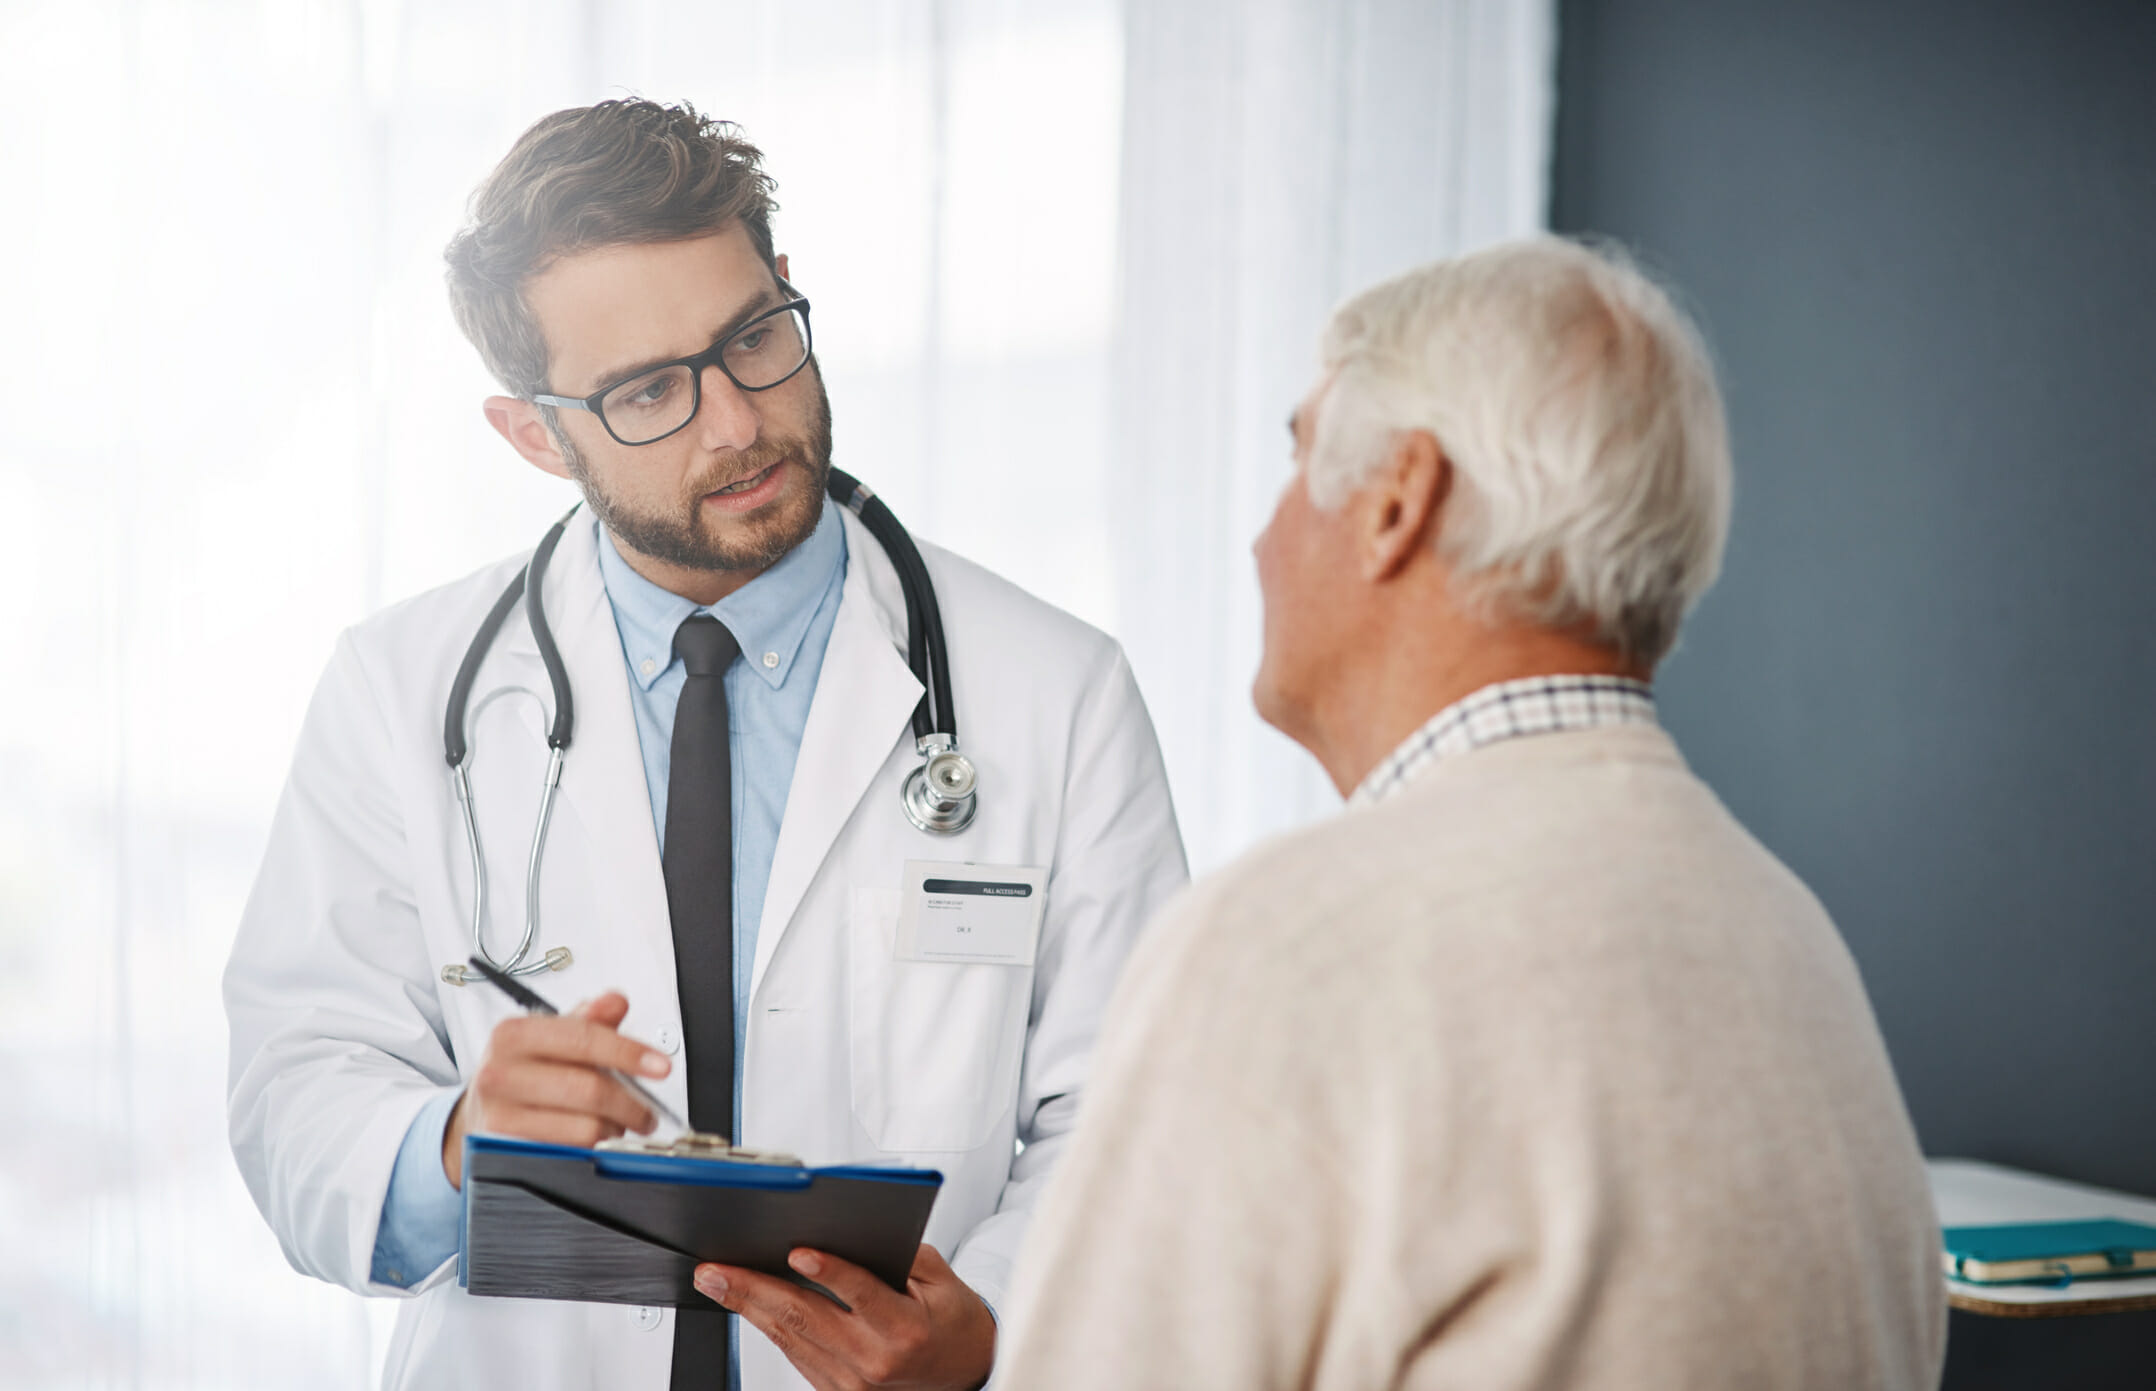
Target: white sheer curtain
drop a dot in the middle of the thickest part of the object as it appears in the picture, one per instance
(239, 418)
(1278, 155)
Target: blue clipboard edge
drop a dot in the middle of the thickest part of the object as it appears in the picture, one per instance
(716, 1173)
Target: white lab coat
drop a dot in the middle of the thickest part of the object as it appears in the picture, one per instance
(342, 1028)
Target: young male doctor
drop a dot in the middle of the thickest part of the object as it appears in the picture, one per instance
(727, 859)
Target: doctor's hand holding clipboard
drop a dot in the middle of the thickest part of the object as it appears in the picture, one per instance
(888, 1338)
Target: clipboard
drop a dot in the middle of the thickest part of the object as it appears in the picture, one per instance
(624, 1226)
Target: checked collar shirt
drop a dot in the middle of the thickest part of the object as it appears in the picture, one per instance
(1509, 710)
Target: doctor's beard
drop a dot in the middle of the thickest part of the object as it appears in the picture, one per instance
(752, 543)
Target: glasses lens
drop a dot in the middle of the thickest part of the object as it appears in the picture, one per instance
(768, 351)
(644, 408)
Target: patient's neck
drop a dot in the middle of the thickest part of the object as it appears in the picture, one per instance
(1423, 666)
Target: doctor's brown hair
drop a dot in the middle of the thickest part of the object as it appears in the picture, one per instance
(618, 172)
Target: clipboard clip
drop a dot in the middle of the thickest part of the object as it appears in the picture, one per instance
(697, 1144)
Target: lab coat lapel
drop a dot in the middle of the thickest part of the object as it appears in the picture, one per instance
(865, 697)
(602, 785)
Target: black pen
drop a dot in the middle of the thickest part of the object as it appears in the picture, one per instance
(533, 1004)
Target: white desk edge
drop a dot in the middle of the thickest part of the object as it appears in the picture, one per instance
(1971, 1193)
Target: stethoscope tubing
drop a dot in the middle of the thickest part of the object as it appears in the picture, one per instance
(528, 584)
(935, 721)
(926, 651)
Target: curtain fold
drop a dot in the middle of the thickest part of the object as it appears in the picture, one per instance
(1278, 155)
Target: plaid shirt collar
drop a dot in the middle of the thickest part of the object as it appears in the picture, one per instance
(1507, 710)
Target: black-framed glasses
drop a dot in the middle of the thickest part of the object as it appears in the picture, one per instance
(660, 401)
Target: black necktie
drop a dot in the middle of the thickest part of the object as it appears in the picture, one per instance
(699, 865)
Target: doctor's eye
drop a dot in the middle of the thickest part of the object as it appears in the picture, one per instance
(646, 393)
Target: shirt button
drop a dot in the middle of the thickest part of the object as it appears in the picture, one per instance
(648, 667)
(771, 659)
(647, 1318)
(669, 1040)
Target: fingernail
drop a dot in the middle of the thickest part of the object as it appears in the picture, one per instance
(805, 1262)
(654, 1065)
(713, 1285)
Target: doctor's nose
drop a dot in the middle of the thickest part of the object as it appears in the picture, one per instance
(725, 416)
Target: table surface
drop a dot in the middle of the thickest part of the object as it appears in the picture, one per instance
(1970, 1193)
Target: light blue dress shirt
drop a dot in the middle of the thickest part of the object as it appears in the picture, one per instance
(783, 621)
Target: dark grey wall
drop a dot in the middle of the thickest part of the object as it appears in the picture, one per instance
(1920, 237)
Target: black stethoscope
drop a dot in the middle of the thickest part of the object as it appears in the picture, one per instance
(938, 796)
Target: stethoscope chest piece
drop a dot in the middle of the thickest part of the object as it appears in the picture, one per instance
(939, 796)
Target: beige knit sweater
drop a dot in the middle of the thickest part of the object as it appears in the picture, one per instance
(1541, 1073)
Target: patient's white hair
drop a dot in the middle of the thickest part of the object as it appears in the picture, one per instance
(1591, 479)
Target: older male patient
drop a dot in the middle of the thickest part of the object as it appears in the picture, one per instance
(1533, 1069)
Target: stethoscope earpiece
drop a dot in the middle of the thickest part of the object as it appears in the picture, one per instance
(556, 959)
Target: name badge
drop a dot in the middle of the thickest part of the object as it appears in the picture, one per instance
(987, 914)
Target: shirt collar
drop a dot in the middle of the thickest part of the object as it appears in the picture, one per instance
(769, 616)
(1507, 710)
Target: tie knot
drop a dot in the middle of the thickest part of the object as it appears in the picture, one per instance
(704, 645)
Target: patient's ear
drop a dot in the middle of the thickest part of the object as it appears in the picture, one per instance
(1401, 507)
(519, 423)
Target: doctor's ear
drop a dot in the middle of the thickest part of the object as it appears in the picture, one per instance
(519, 423)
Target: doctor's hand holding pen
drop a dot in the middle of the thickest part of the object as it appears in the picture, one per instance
(546, 1077)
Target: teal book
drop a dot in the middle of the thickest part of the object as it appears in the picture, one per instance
(2053, 1253)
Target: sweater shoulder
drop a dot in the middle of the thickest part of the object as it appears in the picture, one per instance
(1539, 855)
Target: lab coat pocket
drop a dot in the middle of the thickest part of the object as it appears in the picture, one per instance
(936, 1045)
